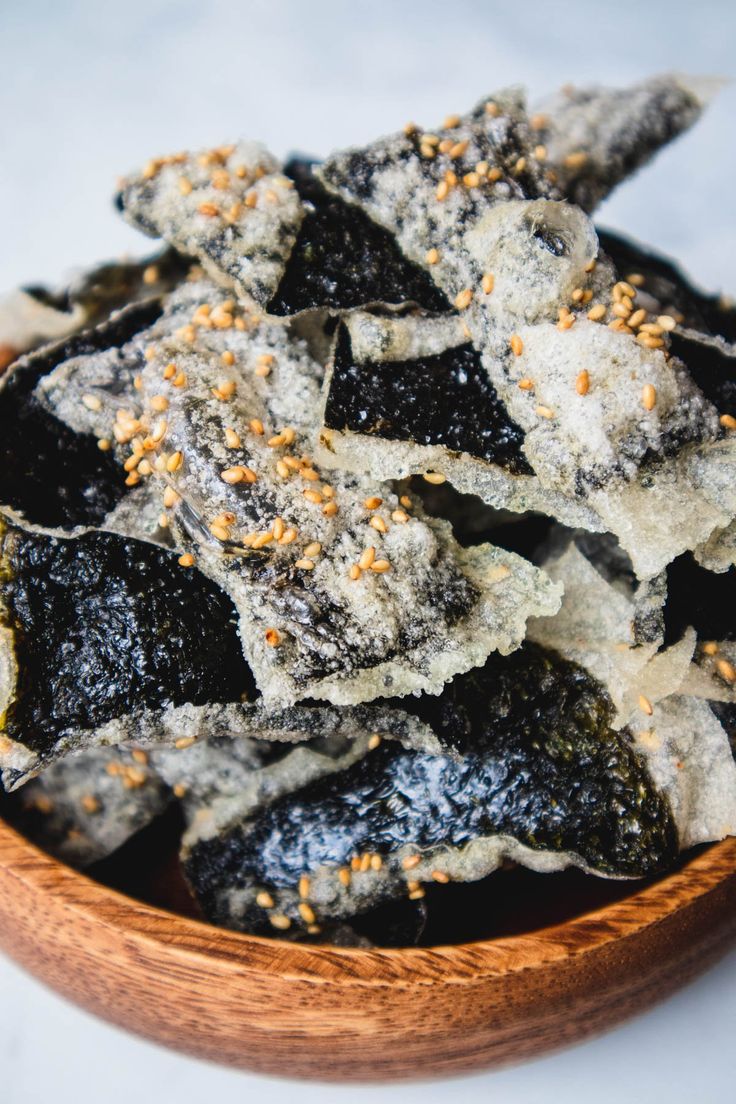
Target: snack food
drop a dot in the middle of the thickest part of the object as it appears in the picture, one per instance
(221, 589)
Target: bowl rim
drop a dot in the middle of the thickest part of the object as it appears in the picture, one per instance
(462, 962)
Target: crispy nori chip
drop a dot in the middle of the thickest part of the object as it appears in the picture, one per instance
(103, 626)
(446, 400)
(704, 599)
(49, 473)
(342, 260)
(532, 757)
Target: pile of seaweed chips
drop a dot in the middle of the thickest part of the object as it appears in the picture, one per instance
(377, 534)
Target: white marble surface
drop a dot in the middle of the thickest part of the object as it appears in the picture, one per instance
(90, 89)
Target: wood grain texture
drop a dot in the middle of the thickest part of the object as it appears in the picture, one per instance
(345, 1014)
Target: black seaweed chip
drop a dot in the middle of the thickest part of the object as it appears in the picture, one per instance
(104, 626)
(704, 599)
(712, 369)
(667, 283)
(446, 399)
(342, 260)
(537, 760)
(49, 473)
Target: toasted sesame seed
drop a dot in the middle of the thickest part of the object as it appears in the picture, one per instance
(367, 557)
(427, 151)
(380, 566)
(184, 742)
(576, 160)
(144, 468)
(365, 862)
(260, 540)
(376, 862)
(443, 189)
(210, 210)
(180, 789)
(232, 440)
(312, 496)
(220, 532)
(273, 638)
(538, 121)
(306, 912)
(494, 174)
(170, 498)
(582, 382)
(648, 396)
(520, 165)
(645, 705)
(726, 670)
(458, 149)
(464, 298)
(279, 921)
(399, 516)
(544, 411)
(471, 180)
(434, 477)
(313, 549)
(304, 885)
(133, 479)
(373, 502)
(179, 380)
(104, 444)
(525, 384)
(637, 318)
(727, 421)
(343, 875)
(329, 509)
(416, 894)
(228, 358)
(233, 475)
(517, 345)
(169, 371)
(597, 312)
(185, 185)
(440, 876)
(132, 463)
(304, 564)
(710, 647)
(432, 256)
(451, 122)
(354, 572)
(90, 804)
(651, 328)
(488, 283)
(405, 501)
(289, 536)
(374, 742)
(410, 862)
(283, 469)
(264, 899)
(378, 524)
(256, 426)
(410, 128)
(309, 474)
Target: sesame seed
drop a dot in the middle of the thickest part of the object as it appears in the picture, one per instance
(232, 440)
(577, 295)
(458, 149)
(488, 283)
(273, 638)
(494, 174)
(233, 475)
(538, 122)
(374, 742)
(313, 496)
(416, 894)
(184, 742)
(651, 328)
(372, 503)
(304, 884)
(260, 540)
(520, 165)
(451, 122)
(648, 396)
(380, 566)
(666, 321)
(540, 153)
(410, 128)
(434, 477)
(210, 210)
(432, 256)
(220, 532)
(443, 189)
(179, 380)
(645, 705)
(517, 345)
(228, 358)
(264, 899)
(306, 912)
(410, 862)
(283, 469)
(310, 474)
(92, 402)
(405, 501)
(471, 180)
(185, 185)
(133, 479)
(726, 670)
(169, 371)
(289, 536)
(313, 549)
(710, 648)
(576, 160)
(378, 524)
(727, 421)
(365, 862)
(427, 151)
(544, 411)
(399, 516)
(376, 862)
(90, 804)
(256, 426)
(279, 921)
(329, 509)
(464, 298)
(343, 875)
(180, 789)
(597, 312)
(304, 564)
(525, 384)
(131, 463)
(104, 444)
(636, 319)
(367, 557)
(582, 382)
(440, 876)
(354, 572)
(144, 468)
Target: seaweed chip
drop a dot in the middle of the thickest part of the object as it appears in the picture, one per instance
(342, 260)
(344, 593)
(230, 207)
(96, 628)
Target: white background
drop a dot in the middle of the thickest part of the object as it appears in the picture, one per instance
(89, 90)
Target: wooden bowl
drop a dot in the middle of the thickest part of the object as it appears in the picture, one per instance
(344, 1014)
